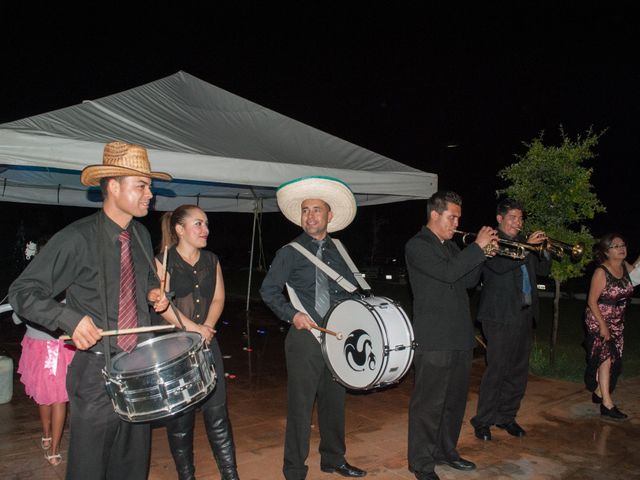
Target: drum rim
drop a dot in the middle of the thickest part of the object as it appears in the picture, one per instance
(198, 346)
(384, 334)
(168, 414)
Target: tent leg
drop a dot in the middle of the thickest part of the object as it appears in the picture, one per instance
(253, 238)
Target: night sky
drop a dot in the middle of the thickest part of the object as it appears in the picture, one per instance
(405, 82)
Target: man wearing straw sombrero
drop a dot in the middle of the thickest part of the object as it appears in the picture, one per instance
(319, 205)
(100, 262)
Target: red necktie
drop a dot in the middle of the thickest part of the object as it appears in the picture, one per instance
(127, 308)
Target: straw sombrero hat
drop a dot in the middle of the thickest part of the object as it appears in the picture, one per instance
(334, 192)
(121, 160)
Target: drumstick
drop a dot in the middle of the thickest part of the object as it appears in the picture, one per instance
(338, 335)
(127, 331)
(163, 282)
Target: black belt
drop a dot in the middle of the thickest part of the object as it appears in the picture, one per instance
(615, 303)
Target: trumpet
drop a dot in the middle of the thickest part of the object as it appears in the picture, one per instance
(505, 248)
(518, 250)
(558, 250)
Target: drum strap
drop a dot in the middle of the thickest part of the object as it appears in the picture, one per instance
(102, 282)
(297, 304)
(352, 266)
(331, 273)
(152, 264)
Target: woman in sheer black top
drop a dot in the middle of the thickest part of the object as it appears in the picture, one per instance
(194, 274)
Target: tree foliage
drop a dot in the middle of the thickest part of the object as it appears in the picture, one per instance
(553, 184)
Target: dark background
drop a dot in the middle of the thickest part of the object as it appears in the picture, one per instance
(403, 80)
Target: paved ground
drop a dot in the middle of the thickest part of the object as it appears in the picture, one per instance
(567, 438)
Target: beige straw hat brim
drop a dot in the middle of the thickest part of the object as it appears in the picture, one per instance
(92, 174)
(121, 159)
(334, 192)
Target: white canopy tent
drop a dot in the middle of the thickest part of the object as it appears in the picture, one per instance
(225, 153)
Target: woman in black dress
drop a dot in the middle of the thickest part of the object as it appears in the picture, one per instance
(194, 274)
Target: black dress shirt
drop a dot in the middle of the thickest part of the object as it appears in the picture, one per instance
(78, 259)
(291, 267)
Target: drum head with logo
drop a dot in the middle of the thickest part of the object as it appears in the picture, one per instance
(357, 359)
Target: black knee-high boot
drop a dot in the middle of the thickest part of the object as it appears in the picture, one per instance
(180, 435)
(220, 436)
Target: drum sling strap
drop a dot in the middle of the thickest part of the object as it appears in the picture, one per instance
(102, 285)
(155, 272)
(331, 273)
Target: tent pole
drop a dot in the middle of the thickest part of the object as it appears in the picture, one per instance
(253, 238)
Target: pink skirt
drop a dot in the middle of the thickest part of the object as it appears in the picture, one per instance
(43, 369)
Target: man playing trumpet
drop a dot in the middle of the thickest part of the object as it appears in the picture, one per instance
(440, 274)
(508, 308)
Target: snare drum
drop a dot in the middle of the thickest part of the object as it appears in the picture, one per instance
(376, 346)
(160, 377)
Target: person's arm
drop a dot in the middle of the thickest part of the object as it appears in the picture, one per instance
(33, 294)
(274, 282)
(273, 295)
(598, 283)
(217, 304)
(426, 259)
(634, 271)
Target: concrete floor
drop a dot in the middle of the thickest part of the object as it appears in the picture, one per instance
(567, 438)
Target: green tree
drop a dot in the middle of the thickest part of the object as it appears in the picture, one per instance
(553, 184)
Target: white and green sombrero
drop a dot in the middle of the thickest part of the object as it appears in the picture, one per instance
(334, 192)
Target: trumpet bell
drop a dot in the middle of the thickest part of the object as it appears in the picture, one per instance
(559, 250)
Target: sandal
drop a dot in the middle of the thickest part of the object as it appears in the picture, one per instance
(45, 443)
(54, 460)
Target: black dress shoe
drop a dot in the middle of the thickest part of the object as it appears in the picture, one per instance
(512, 428)
(427, 476)
(459, 464)
(612, 412)
(345, 470)
(595, 398)
(483, 433)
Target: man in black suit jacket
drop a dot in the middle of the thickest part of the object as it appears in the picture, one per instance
(440, 275)
(508, 307)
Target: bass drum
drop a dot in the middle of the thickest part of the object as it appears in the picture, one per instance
(160, 377)
(376, 343)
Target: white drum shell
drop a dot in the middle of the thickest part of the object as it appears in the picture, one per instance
(160, 377)
(377, 343)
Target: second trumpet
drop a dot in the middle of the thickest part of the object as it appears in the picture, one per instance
(517, 250)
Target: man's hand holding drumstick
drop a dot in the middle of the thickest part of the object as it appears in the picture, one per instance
(302, 321)
(86, 334)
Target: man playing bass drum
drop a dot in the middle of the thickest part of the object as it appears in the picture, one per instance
(319, 205)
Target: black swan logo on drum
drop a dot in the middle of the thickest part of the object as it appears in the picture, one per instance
(358, 351)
